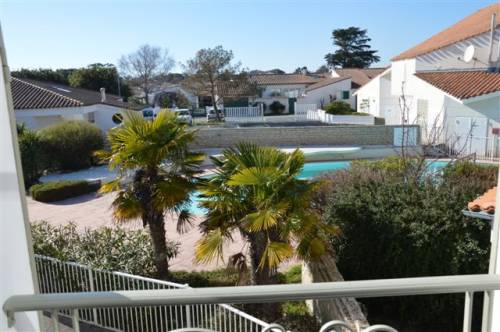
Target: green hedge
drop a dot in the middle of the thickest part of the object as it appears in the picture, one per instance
(58, 190)
(71, 144)
(397, 222)
(33, 156)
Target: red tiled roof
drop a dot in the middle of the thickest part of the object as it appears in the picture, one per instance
(269, 79)
(359, 76)
(326, 82)
(463, 84)
(485, 203)
(473, 25)
(26, 95)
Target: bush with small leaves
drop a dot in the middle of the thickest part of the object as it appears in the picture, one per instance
(71, 144)
(276, 107)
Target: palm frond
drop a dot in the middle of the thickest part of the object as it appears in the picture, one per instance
(275, 253)
(209, 247)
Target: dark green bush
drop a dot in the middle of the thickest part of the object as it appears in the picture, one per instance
(71, 144)
(58, 190)
(114, 249)
(33, 157)
(276, 107)
(394, 226)
(339, 108)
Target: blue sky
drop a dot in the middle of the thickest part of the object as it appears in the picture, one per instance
(262, 34)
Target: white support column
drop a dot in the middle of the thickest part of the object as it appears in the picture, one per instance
(493, 321)
(16, 257)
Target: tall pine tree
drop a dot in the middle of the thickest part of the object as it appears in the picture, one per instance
(353, 49)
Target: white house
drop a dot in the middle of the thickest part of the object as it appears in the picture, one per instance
(284, 88)
(40, 104)
(449, 84)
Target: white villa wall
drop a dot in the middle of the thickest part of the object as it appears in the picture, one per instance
(324, 94)
(451, 57)
(368, 98)
(484, 109)
(40, 118)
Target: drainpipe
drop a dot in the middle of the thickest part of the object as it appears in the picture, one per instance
(491, 60)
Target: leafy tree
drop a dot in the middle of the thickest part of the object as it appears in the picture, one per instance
(143, 67)
(156, 174)
(323, 69)
(354, 50)
(301, 70)
(98, 75)
(47, 75)
(256, 192)
(212, 68)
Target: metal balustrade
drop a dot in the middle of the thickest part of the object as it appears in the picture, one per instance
(206, 299)
(55, 277)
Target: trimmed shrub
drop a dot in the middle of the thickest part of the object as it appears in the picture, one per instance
(71, 144)
(276, 107)
(339, 108)
(58, 190)
(114, 249)
(33, 157)
(396, 223)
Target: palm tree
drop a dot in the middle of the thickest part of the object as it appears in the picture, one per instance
(256, 191)
(156, 174)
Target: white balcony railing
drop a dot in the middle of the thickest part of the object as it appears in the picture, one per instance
(56, 277)
(103, 302)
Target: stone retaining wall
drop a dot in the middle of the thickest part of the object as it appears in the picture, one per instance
(297, 136)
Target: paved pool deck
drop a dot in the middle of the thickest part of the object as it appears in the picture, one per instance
(93, 211)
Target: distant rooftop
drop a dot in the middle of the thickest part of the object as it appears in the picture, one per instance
(269, 79)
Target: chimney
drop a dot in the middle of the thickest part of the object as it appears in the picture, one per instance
(103, 94)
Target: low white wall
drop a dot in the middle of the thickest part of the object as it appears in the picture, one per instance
(324, 117)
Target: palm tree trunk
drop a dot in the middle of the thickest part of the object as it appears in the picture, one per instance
(262, 276)
(157, 233)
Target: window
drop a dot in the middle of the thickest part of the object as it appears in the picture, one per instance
(345, 94)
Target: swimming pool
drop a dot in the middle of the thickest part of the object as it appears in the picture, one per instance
(311, 170)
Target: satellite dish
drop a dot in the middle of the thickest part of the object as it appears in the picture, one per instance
(469, 53)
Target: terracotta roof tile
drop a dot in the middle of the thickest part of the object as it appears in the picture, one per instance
(269, 79)
(359, 76)
(473, 25)
(463, 84)
(326, 82)
(485, 203)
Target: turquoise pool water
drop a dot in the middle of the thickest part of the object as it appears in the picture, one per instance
(311, 170)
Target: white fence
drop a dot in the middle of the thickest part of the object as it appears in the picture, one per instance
(320, 115)
(301, 110)
(244, 114)
(475, 147)
(55, 276)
